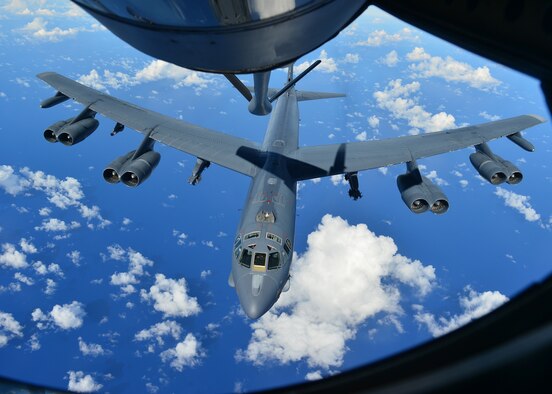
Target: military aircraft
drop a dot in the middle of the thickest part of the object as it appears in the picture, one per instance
(227, 36)
(262, 250)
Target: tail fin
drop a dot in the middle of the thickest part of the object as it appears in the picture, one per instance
(304, 96)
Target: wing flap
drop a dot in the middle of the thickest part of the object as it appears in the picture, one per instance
(214, 146)
(326, 160)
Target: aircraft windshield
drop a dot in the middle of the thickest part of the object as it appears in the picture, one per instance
(273, 260)
(245, 259)
(260, 259)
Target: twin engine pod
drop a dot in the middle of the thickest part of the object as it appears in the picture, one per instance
(495, 169)
(132, 170)
(70, 132)
(420, 194)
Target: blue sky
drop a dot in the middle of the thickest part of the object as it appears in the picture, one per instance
(118, 290)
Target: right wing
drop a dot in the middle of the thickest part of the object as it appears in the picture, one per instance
(325, 160)
(235, 153)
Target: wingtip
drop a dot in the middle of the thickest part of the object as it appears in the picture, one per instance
(539, 118)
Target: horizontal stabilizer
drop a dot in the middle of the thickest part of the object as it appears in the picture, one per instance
(304, 96)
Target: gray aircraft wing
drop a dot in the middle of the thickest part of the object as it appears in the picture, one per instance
(206, 144)
(324, 160)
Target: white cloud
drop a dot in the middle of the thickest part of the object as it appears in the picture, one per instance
(44, 211)
(158, 331)
(381, 37)
(92, 349)
(41, 269)
(373, 121)
(361, 136)
(451, 70)
(187, 353)
(34, 343)
(27, 246)
(23, 279)
(9, 328)
(519, 202)
(126, 221)
(180, 237)
(396, 98)
(74, 256)
(170, 297)
(12, 258)
(313, 324)
(37, 29)
(473, 304)
(488, 116)
(432, 175)
(93, 213)
(314, 375)
(11, 183)
(57, 225)
(51, 287)
(154, 71)
(352, 58)
(327, 66)
(390, 60)
(81, 383)
(136, 267)
(205, 273)
(66, 317)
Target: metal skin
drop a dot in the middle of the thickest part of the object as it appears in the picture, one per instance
(272, 191)
(268, 220)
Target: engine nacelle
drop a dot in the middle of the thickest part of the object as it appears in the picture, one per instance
(495, 170)
(420, 194)
(52, 130)
(139, 169)
(112, 173)
(76, 132)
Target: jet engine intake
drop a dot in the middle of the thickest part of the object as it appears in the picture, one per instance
(139, 169)
(495, 169)
(74, 133)
(52, 130)
(112, 173)
(420, 194)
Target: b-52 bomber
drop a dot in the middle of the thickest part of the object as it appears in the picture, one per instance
(262, 250)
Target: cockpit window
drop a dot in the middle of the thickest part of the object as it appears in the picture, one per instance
(266, 217)
(237, 242)
(273, 260)
(254, 234)
(287, 246)
(245, 259)
(274, 237)
(260, 259)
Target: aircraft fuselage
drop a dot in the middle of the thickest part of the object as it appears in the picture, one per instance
(263, 245)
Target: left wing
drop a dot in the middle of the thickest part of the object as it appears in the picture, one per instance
(324, 160)
(223, 149)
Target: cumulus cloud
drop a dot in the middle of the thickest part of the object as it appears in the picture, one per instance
(57, 225)
(12, 258)
(92, 349)
(367, 282)
(41, 268)
(37, 29)
(92, 214)
(136, 267)
(10, 182)
(27, 246)
(9, 328)
(519, 202)
(390, 60)
(398, 99)
(187, 353)
(158, 331)
(171, 297)
(66, 317)
(352, 58)
(381, 37)
(81, 383)
(488, 116)
(426, 66)
(328, 65)
(373, 121)
(473, 304)
(154, 71)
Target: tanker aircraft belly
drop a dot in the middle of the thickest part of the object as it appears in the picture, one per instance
(262, 249)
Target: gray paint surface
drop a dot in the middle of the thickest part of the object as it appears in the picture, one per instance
(268, 218)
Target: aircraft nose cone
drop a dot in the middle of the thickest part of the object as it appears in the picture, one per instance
(257, 294)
